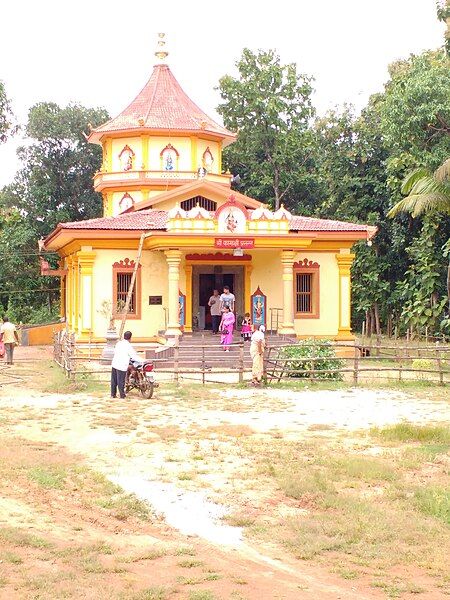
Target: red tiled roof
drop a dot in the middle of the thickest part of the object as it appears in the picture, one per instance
(312, 224)
(157, 219)
(162, 104)
(145, 219)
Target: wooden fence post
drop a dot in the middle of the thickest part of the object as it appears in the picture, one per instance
(356, 365)
(176, 360)
(439, 364)
(241, 362)
(400, 364)
(203, 358)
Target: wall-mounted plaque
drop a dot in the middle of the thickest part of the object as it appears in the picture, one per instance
(153, 300)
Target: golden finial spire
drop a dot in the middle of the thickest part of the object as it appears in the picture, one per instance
(161, 52)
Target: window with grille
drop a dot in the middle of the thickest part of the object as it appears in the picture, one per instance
(123, 284)
(306, 290)
(208, 205)
(122, 274)
(304, 293)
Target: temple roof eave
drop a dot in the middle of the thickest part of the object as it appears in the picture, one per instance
(158, 239)
(97, 136)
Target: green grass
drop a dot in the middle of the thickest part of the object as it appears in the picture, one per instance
(410, 432)
(185, 551)
(202, 595)
(189, 563)
(18, 537)
(50, 477)
(364, 468)
(435, 502)
(153, 593)
(356, 508)
(124, 506)
(11, 557)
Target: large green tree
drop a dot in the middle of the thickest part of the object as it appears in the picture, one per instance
(6, 115)
(55, 182)
(269, 106)
(53, 185)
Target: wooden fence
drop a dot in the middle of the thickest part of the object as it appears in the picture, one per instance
(355, 363)
(84, 361)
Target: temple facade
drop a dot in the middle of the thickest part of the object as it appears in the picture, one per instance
(164, 188)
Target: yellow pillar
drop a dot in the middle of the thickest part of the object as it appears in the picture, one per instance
(108, 147)
(194, 159)
(144, 146)
(247, 288)
(62, 295)
(287, 260)
(188, 311)
(86, 258)
(344, 262)
(173, 258)
(69, 291)
(76, 294)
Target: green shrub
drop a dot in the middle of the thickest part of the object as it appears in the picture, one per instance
(301, 354)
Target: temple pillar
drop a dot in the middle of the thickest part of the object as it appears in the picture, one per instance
(287, 261)
(86, 260)
(188, 308)
(247, 288)
(173, 258)
(344, 261)
(69, 292)
(76, 293)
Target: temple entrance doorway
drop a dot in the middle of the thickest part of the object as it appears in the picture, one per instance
(206, 278)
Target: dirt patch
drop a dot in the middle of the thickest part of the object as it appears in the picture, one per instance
(62, 514)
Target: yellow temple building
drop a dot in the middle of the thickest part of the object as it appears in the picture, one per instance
(162, 178)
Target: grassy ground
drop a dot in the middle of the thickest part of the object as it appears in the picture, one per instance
(378, 507)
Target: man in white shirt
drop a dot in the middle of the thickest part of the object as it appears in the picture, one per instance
(123, 351)
(9, 336)
(227, 299)
(216, 312)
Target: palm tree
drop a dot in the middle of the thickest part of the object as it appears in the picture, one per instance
(426, 192)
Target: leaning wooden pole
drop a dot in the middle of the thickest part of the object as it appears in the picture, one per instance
(132, 282)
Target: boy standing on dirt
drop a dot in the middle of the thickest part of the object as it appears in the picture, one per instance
(123, 351)
(10, 337)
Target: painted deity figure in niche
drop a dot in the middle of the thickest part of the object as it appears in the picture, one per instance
(168, 160)
(126, 158)
(258, 311)
(231, 222)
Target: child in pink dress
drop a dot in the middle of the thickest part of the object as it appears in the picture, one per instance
(246, 328)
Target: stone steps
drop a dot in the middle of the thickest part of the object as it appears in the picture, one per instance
(190, 353)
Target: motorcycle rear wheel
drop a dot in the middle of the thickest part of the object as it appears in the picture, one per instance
(147, 389)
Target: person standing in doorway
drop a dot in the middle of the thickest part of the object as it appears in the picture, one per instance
(226, 328)
(227, 299)
(216, 313)
(257, 347)
(123, 351)
(10, 337)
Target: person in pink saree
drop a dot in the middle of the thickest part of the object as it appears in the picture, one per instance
(226, 328)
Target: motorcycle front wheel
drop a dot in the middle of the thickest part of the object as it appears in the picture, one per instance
(147, 389)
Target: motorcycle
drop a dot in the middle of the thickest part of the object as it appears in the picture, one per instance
(140, 377)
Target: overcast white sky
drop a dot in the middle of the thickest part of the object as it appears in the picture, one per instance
(100, 52)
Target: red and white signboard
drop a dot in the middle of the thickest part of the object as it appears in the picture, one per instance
(243, 243)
